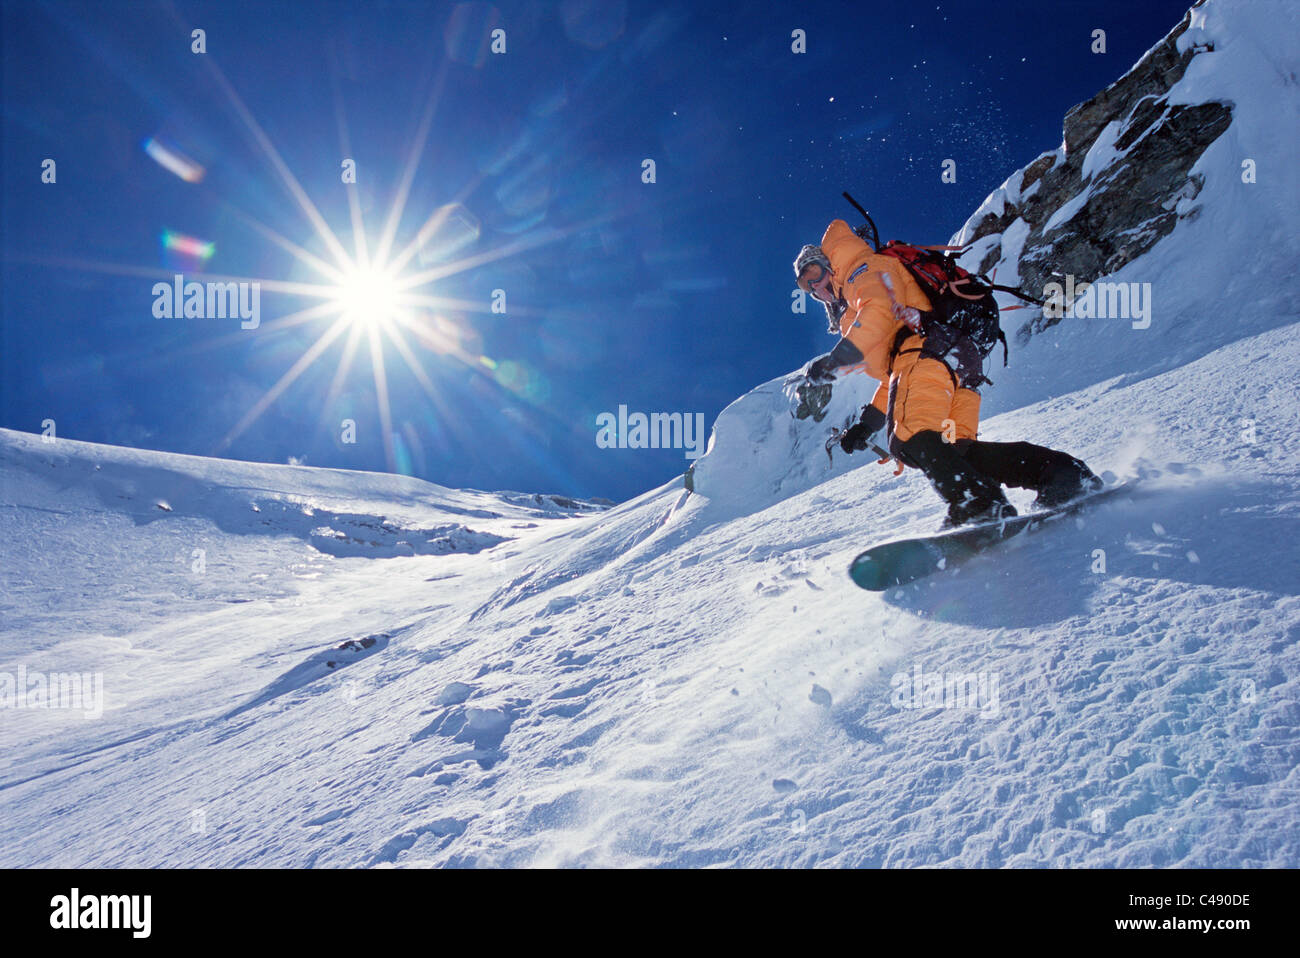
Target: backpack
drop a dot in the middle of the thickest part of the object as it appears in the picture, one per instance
(962, 326)
(962, 308)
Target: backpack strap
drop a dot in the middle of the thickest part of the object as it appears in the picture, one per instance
(1018, 293)
(1021, 294)
(899, 338)
(954, 283)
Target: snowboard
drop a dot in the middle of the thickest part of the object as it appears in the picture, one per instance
(906, 560)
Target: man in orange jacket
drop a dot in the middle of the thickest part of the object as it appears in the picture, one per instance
(928, 397)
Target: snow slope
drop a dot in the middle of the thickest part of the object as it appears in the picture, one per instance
(359, 670)
(650, 686)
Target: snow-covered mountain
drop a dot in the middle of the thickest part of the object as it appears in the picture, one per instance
(314, 667)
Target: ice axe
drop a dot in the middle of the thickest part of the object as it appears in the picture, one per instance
(869, 233)
(837, 432)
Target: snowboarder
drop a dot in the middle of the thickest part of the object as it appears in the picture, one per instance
(928, 398)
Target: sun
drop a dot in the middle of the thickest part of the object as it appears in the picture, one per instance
(371, 298)
(367, 296)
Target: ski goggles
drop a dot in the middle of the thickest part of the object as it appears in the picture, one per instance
(812, 275)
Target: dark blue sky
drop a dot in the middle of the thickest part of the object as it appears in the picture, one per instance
(664, 297)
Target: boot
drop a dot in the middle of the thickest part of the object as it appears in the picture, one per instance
(975, 512)
(1056, 476)
(968, 491)
(1070, 481)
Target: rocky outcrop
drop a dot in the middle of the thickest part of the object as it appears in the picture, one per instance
(1119, 182)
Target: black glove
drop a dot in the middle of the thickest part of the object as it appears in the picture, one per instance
(857, 437)
(820, 371)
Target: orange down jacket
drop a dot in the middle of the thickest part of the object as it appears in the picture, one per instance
(868, 322)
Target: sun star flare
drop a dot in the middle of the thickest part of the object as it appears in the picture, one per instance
(368, 296)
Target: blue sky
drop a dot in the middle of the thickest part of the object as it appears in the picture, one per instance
(670, 296)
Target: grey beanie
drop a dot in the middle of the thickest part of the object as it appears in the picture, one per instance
(810, 254)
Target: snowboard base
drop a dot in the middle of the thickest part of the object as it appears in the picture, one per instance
(906, 560)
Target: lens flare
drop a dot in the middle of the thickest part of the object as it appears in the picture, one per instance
(173, 160)
(189, 246)
(371, 298)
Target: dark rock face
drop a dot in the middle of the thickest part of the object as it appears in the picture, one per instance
(1129, 204)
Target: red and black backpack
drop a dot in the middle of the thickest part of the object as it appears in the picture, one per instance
(958, 299)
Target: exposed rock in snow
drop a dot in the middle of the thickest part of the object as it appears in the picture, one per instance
(1089, 213)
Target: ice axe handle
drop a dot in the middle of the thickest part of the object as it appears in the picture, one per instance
(835, 438)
